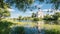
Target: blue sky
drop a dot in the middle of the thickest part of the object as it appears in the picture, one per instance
(15, 12)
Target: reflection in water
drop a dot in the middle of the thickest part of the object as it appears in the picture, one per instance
(27, 30)
(38, 29)
(31, 31)
(45, 22)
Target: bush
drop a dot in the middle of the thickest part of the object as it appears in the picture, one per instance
(52, 31)
(55, 16)
(5, 27)
(36, 19)
(49, 18)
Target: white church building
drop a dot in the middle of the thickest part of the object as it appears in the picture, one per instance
(40, 14)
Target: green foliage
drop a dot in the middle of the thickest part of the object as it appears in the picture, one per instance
(36, 19)
(33, 15)
(20, 4)
(25, 4)
(20, 18)
(3, 4)
(56, 16)
(4, 13)
(48, 17)
(52, 31)
(56, 3)
(5, 27)
(41, 0)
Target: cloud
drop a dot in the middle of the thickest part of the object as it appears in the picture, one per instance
(15, 15)
(46, 9)
(11, 9)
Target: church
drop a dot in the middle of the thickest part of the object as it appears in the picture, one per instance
(40, 14)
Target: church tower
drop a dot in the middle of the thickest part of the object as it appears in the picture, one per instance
(40, 14)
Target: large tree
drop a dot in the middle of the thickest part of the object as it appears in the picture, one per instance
(33, 15)
(26, 4)
(4, 13)
(56, 15)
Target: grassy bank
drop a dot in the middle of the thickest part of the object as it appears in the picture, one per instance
(52, 29)
(49, 29)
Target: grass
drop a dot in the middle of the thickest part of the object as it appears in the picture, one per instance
(47, 26)
(52, 29)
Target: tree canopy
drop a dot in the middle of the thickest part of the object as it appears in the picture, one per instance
(26, 4)
(4, 13)
(33, 15)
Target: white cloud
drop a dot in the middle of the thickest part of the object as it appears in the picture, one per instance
(15, 15)
(47, 9)
(11, 9)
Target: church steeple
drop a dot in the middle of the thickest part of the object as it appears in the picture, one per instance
(40, 13)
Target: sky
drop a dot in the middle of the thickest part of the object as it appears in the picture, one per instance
(15, 13)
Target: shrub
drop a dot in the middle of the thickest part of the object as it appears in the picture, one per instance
(52, 31)
(36, 19)
(5, 27)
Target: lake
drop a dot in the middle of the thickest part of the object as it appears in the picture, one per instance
(38, 29)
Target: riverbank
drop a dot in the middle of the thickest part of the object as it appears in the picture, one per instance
(52, 29)
(47, 28)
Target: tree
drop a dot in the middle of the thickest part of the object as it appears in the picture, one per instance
(35, 19)
(4, 13)
(26, 4)
(20, 4)
(33, 15)
(3, 9)
(56, 3)
(56, 15)
(49, 17)
(20, 17)
(5, 27)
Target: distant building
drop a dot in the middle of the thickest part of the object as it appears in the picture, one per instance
(40, 14)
